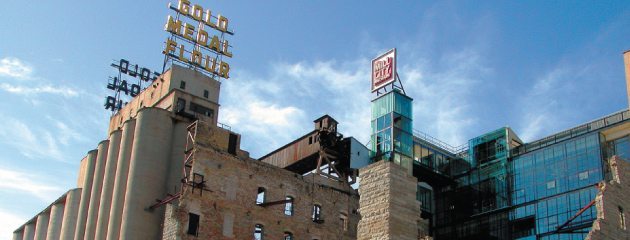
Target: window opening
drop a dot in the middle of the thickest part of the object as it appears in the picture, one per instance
(260, 198)
(205, 93)
(288, 206)
(193, 224)
(258, 232)
(232, 144)
(182, 85)
(317, 213)
(344, 221)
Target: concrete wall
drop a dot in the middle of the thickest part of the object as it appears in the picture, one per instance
(29, 231)
(97, 188)
(120, 181)
(388, 205)
(228, 207)
(147, 174)
(56, 219)
(108, 185)
(613, 204)
(41, 227)
(84, 204)
(70, 215)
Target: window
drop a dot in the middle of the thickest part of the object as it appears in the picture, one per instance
(205, 93)
(182, 85)
(622, 218)
(310, 140)
(201, 109)
(288, 206)
(193, 224)
(551, 184)
(317, 213)
(288, 236)
(181, 105)
(260, 198)
(583, 175)
(232, 143)
(344, 221)
(258, 232)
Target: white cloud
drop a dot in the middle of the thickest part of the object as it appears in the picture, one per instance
(277, 108)
(32, 184)
(16, 68)
(8, 223)
(30, 143)
(34, 90)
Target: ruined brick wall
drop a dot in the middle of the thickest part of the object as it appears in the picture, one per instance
(613, 204)
(388, 204)
(228, 209)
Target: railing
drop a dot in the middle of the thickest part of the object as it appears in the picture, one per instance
(224, 126)
(573, 132)
(439, 143)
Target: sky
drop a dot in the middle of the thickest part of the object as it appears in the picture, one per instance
(538, 67)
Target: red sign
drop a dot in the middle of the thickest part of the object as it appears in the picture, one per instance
(384, 70)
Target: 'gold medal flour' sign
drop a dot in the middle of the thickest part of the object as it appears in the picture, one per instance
(200, 44)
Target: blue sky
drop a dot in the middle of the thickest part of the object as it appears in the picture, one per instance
(471, 67)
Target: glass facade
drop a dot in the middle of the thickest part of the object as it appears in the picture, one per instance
(392, 138)
(514, 190)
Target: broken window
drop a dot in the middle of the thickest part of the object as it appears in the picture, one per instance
(258, 232)
(288, 236)
(260, 198)
(193, 224)
(288, 206)
(317, 213)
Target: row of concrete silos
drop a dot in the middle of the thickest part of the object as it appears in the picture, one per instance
(125, 175)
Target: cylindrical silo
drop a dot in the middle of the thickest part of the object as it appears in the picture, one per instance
(108, 185)
(29, 231)
(97, 184)
(147, 174)
(84, 204)
(70, 214)
(120, 182)
(56, 219)
(41, 227)
(18, 235)
(176, 165)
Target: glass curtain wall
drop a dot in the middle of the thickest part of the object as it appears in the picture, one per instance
(392, 138)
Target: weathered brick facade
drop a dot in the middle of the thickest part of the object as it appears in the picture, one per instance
(228, 208)
(613, 203)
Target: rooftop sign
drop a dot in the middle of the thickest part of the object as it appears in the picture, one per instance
(200, 44)
(384, 70)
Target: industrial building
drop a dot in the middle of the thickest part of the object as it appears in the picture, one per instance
(169, 170)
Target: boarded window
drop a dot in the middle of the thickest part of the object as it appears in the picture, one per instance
(193, 224)
(232, 144)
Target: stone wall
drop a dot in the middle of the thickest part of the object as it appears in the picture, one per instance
(227, 207)
(388, 204)
(613, 203)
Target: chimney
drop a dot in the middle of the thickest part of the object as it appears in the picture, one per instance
(626, 60)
